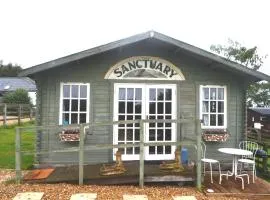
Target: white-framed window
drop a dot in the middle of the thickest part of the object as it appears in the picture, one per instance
(213, 106)
(74, 103)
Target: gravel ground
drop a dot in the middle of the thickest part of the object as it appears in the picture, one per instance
(64, 191)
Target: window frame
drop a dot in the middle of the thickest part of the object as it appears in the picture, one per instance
(87, 101)
(224, 126)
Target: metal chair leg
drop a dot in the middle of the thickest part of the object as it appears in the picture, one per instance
(211, 172)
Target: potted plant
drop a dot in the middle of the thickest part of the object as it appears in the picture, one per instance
(215, 135)
(70, 135)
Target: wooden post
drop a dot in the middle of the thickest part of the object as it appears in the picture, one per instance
(81, 154)
(19, 114)
(5, 115)
(31, 113)
(18, 156)
(199, 154)
(141, 179)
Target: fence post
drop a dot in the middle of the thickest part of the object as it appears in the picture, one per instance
(141, 178)
(81, 154)
(18, 156)
(31, 113)
(5, 115)
(19, 114)
(199, 154)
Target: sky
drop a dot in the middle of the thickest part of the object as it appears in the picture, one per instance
(35, 31)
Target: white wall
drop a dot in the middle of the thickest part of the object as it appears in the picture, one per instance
(33, 97)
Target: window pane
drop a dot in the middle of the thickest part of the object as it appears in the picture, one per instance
(129, 135)
(160, 124)
(168, 94)
(168, 108)
(130, 93)
(74, 118)
(130, 117)
(121, 134)
(168, 135)
(83, 118)
(152, 94)
(220, 120)
(74, 105)
(205, 107)
(122, 150)
(82, 105)
(168, 124)
(152, 124)
(66, 91)
(160, 108)
(65, 119)
(152, 150)
(205, 93)
(160, 94)
(152, 108)
(160, 135)
(137, 150)
(221, 107)
(66, 105)
(221, 93)
(205, 120)
(159, 149)
(213, 120)
(129, 150)
(129, 107)
(168, 149)
(152, 135)
(74, 91)
(137, 134)
(213, 107)
(121, 107)
(122, 93)
(121, 118)
(138, 94)
(83, 91)
(138, 107)
(213, 94)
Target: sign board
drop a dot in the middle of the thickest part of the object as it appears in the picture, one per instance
(144, 67)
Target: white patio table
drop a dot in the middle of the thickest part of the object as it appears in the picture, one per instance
(235, 152)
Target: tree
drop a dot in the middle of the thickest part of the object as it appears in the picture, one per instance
(19, 96)
(258, 93)
(9, 70)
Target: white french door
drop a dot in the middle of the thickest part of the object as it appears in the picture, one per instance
(145, 101)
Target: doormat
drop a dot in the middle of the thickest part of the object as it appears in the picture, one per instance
(38, 174)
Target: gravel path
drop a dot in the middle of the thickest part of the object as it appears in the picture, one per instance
(64, 191)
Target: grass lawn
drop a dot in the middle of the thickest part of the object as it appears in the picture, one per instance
(7, 146)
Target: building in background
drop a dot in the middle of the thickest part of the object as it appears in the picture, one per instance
(259, 118)
(10, 84)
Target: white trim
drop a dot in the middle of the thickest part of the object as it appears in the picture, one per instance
(225, 105)
(87, 100)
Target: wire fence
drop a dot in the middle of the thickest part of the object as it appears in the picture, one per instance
(17, 112)
(83, 144)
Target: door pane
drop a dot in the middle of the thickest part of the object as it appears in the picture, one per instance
(160, 94)
(168, 94)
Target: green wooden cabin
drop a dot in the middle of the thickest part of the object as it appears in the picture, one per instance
(146, 76)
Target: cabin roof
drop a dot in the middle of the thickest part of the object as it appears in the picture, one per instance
(221, 61)
(262, 111)
(8, 84)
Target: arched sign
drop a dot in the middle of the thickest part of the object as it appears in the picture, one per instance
(144, 67)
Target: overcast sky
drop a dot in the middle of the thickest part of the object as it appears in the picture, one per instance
(33, 32)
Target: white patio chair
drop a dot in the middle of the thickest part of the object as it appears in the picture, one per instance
(210, 161)
(250, 160)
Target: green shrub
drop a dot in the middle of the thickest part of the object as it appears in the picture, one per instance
(20, 96)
